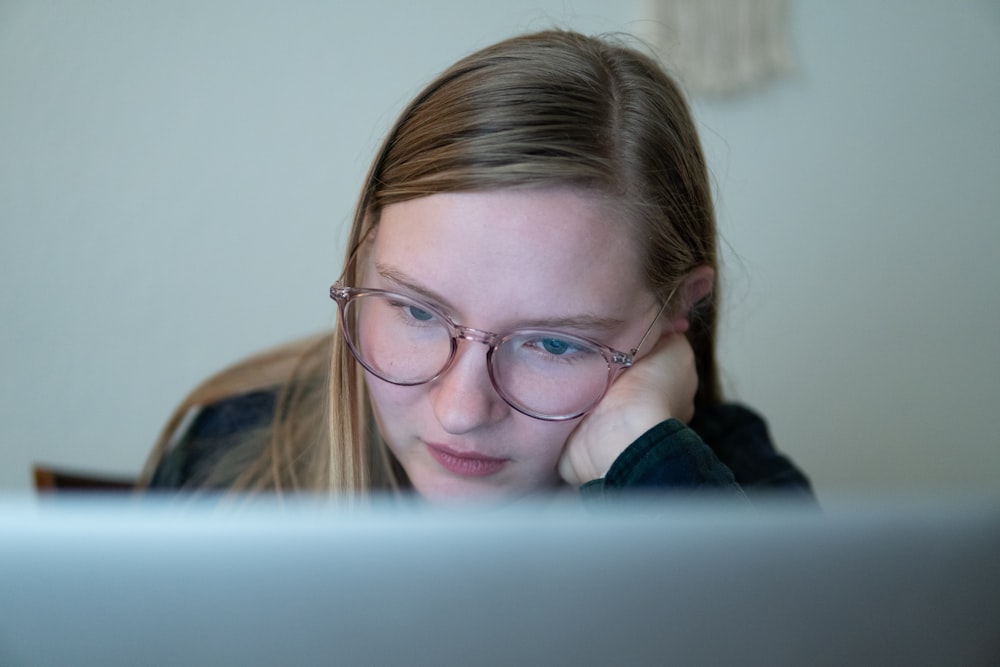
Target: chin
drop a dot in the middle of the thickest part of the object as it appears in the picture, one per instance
(453, 491)
(461, 492)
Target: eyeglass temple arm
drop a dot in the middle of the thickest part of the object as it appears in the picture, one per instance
(635, 350)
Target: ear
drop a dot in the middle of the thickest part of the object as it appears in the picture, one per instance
(695, 287)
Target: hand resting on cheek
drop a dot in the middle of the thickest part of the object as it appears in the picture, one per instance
(660, 386)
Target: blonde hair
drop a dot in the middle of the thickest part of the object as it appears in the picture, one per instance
(554, 108)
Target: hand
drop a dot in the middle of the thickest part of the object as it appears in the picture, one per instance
(659, 386)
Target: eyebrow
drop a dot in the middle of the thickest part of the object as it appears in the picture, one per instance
(582, 321)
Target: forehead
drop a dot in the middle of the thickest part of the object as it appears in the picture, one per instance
(517, 251)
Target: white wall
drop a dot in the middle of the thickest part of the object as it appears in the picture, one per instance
(862, 197)
(175, 178)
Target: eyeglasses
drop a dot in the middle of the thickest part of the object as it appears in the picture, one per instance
(543, 373)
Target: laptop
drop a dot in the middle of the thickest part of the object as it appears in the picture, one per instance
(114, 581)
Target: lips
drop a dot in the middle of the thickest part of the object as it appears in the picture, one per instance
(464, 463)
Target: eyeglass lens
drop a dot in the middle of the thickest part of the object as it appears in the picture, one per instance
(542, 373)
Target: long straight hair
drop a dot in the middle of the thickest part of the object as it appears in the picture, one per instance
(554, 108)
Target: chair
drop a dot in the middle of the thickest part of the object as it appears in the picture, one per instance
(50, 479)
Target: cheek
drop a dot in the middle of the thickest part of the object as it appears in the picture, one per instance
(545, 441)
(389, 400)
(394, 415)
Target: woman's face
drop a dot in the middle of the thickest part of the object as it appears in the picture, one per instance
(497, 261)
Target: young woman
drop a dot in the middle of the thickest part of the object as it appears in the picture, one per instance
(528, 303)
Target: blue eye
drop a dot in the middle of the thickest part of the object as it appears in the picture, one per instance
(419, 313)
(409, 312)
(555, 346)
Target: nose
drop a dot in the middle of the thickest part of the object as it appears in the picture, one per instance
(463, 398)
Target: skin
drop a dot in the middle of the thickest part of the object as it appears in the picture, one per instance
(506, 259)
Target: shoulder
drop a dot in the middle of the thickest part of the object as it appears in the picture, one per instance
(741, 439)
(234, 414)
(230, 430)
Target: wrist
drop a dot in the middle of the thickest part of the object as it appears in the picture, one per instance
(598, 443)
